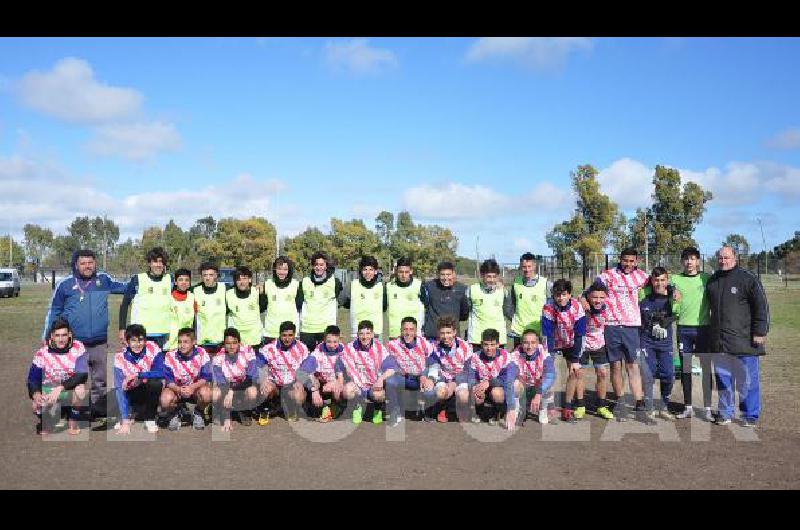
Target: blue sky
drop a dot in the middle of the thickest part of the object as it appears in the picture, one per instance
(476, 134)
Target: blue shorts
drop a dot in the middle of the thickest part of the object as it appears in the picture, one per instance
(367, 394)
(622, 342)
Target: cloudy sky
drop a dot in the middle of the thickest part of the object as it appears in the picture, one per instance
(479, 134)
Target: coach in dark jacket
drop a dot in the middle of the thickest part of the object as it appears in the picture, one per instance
(443, 296)
(739, 323)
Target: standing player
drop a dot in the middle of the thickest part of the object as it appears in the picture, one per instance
(526, 298)
(320, 292)
(692, 312)
(360, 367)
(441, 297)
(595, 346)
(278, 363)
(536, 375)
(448, 372)
(366, 299)
(211, 310)
(411, 354)
(58, 374)
(138, 379)
(234, 372)
(492, 371)
(149, 294)
(403, 298)
(485, 300)
(284, 298)
(183, 307)
(317, 375)
(187, 374)
(563, 327)
(245, 306)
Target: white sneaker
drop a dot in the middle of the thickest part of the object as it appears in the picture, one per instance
(707, 414)
(117, 426)
(688, 412)
(543, 419)
(150, 426)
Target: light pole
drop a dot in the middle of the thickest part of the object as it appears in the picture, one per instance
(764, 243)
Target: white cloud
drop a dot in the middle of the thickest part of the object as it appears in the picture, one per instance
(71, 93)
(627, 182)
(135, 141)
(787, 139)
(522, 243)
(357, 57)
(541, 53)
(454, 201)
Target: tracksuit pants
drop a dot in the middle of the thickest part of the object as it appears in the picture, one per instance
(656, 362)
(739, 373)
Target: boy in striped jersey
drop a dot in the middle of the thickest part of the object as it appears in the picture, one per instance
(234, 371)
(360, 367)
(595, 346)
(535, 379)
(492, 372)
(411, 353)
(138, 379)
(58, 374)
(187, 374)
(447, 370)
(278, 363)
(317, 375)
(564, 326)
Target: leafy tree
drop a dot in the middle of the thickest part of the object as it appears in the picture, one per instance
(675, 211)
(13, 257)
(739, 243)
(301, 247)
(350, 240)
(38, 242)
(62, 250)
(249, 242)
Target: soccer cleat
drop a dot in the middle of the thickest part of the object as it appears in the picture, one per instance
(647, 417)
(175, 422)
(664, 414)
(749, 422)
(568, 415)
(117, 425)
(442, 416)
(605, 413)
(245, 418)
(722, 421)
(394, 422)
(326, 415)
(686, 413)
(150, 426)
(357, 414)
(707, 414)
(263, 418)
(198, 422)
(580, 412)
(377, 416)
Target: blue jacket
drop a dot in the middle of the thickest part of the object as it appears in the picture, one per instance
(84, 304)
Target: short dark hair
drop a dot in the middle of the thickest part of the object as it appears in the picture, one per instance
(281, 260)
(659, 271)
(189, 332)
(242, 271)
(690, 251)
(408, 319)
(403, 262)
(319, 255)
(629, 251)
(333, 329)
(530, 331)
(286, 326)
(527, 257)
(155, 253)
(447, 321)
(232, 332)
(367, 261)
(490, 334)
(365, 324)
(135, 330)
(562, 285)
(597, 286)
(207, 265)
(59, 323)
(85, 253)
(490, 266)
(183, 272)
(445, 266)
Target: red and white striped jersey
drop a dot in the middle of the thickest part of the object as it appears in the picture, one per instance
(58, 367)
(490, 368)
(531, 370)
(623, 296)
(595, 328)
(326, 365)
(145, 362)
(363, 367)
(186, 371)
(234, 369)
(411, 361)
(451, 363)
(283, 364)
(564, 323)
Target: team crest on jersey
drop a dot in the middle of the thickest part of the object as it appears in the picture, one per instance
(363, 296)
(251, 307)
(395, 296)
(274, 297)
(97, 282)
(520, 296)
(219, 302)
(479, 301)
(203, 303)
(149, 290)
(733, 290)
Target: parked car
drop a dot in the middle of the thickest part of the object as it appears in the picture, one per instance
(9, 282)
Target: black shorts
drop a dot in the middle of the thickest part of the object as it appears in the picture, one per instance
(598, 357)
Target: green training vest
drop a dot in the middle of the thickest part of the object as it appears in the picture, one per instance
(280, 306)
(211, 314)
(366, 304)
(403, 302)
(182, 317)
(152, 305)
(529, 303)
(245, 316)
(319, 305)
(486, 313)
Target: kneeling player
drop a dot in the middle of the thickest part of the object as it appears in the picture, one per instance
(411, 355)
(278, 364)
(187, 373)
(492, 372)
(360, 367)
(58, 375)
(447, 371)
(317, 376)
(234, 372)
(537, 373)
(138, 379)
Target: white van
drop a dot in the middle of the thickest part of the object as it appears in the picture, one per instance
(9, 282)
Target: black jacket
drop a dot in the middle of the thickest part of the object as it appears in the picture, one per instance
(738, 311)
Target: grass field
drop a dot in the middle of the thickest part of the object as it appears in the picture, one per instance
(430, 456)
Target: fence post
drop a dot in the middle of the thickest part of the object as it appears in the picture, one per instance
(583, 259)
(53, 281)
(606, 262)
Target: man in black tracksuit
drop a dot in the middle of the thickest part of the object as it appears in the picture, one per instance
(443, 296)
(739, 323)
